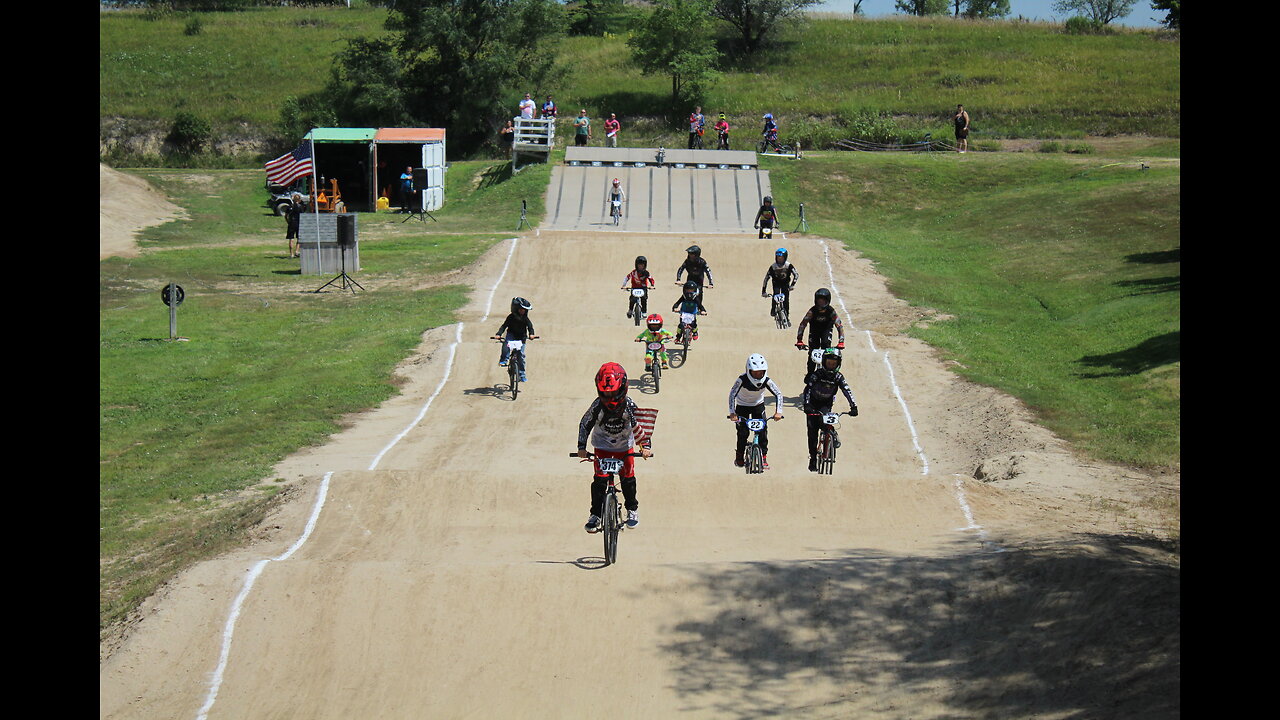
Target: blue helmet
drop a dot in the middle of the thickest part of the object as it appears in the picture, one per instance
(782, 252)
(768, 116)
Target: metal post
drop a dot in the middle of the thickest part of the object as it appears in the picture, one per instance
(173, 310)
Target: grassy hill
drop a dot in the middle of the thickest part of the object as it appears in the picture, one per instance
(824, 79)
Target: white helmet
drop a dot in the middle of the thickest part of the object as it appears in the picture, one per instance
(757, 362)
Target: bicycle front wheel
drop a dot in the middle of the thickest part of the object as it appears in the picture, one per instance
(657, 374)
(755, 459)
(612, 522)
(827, 455)
(513, 375)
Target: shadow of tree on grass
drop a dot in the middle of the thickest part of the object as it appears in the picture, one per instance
(1146, 355)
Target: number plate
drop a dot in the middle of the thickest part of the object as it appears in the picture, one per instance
(816, 356)
(755, 424)
(638, 292)
(779, 297)
(610, 465)
(831, 419)
(655, 346)
(515, 344)
(686, 318)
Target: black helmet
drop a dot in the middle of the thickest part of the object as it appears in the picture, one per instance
(822, 294)
(768, 199)
(641, 260)
(519, 302)
(830, 353)
(694, 250)
(690, 289)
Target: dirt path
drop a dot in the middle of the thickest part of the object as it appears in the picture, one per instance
(447, 574)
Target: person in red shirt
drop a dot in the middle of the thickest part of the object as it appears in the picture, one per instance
(722, 129)
(611, 128)
(637, 279)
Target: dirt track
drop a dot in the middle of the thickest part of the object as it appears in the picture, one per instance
(448, 576)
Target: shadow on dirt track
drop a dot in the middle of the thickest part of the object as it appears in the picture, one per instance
(1089, 629)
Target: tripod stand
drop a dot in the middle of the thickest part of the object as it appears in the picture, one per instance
(524, 220)
(344, 280)
(804, 224)
(422, 213)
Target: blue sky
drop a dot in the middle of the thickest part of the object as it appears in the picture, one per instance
(1031, 9)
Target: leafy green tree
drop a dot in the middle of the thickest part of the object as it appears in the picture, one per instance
(921, 7)
(754, 19)
(980, 9)
(455, 64)
(675, 39)
(1173, 12)
(1099, 11)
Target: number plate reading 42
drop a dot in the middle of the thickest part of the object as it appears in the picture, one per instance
(609, 465)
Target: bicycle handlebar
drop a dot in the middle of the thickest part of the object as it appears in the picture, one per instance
(591, 455)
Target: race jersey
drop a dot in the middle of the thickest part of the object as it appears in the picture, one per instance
(663, 335)
(820, 395)
(749, 392)
(697, 269)
(783, 276)
(685, 305)
(635, 280)
(614, 432)
(723, 127)
(821, 322)
(770, 128)
(696, 121)
(517, 327)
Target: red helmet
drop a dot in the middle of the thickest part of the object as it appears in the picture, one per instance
(611, 384)
(654, 319)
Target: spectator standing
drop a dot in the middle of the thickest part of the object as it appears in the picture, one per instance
(549, 108)
(581, 129)
(611, 128)
(526, 107)
(696, 123)
(961, 120)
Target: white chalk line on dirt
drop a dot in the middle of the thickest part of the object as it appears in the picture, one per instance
(228, 631)
(897, 393)
(915, 438)
(215, 683)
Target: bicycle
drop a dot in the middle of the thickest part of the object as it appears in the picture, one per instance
(684, 333)
(771, 144)
(753, 456)
(828, 440)
(515, 363)
(612, 520)
(638, 304)
(655, 365)
(615, 211)
(724, 141)
(778, 311)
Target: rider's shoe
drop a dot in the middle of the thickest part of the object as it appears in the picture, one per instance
(502, 363)
(813, 463)
(648, 368)
(524, 378)
(633, 519)
(666, 366)
(628, 314)
(738, 461)
(764, 462)
(695, 336)
(593, 524)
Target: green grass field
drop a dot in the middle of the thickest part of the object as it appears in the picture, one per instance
(1018, 80)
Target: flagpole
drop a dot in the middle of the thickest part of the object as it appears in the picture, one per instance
(315, 193)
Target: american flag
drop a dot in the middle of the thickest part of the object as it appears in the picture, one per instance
(290, 166)
(644, 431)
